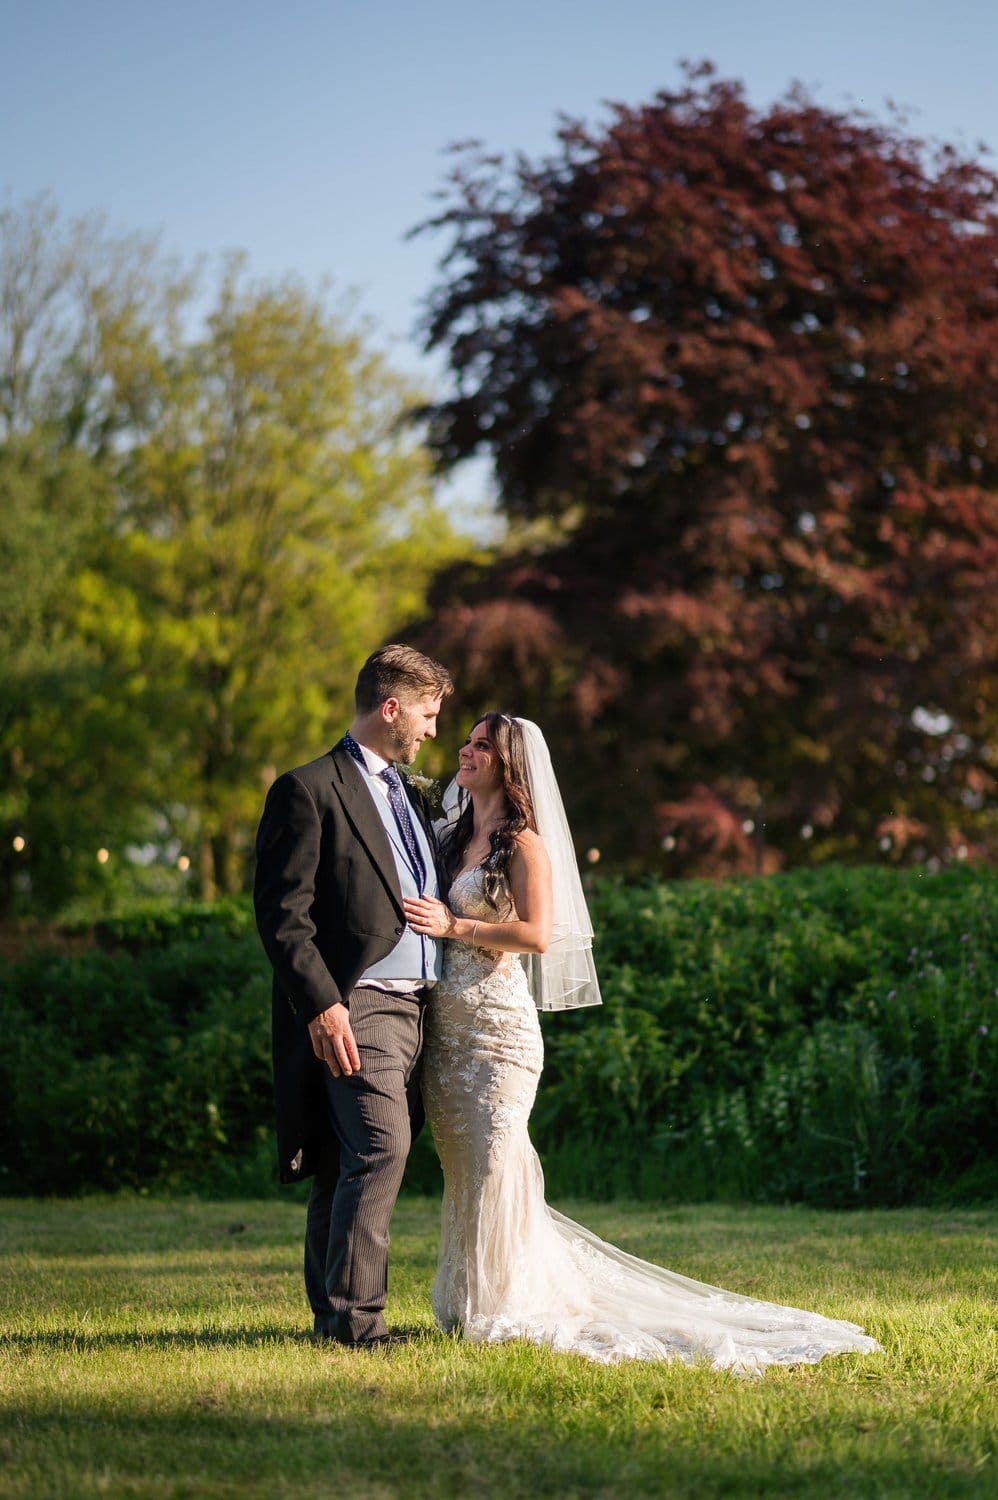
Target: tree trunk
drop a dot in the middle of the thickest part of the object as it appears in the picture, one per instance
(228, 865)
(207, 884)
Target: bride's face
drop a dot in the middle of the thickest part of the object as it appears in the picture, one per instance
(479, 768)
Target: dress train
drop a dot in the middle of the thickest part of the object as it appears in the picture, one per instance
(512, 1267)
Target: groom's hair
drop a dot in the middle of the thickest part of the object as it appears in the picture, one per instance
(399, 672)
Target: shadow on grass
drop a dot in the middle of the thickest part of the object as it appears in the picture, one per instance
(78, 1341)
(452, 1455)
(139, 1269)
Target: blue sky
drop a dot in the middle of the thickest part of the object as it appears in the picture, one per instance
(311, 133)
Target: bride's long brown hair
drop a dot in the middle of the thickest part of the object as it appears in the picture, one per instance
(506, 738)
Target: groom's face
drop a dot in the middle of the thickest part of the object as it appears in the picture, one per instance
(413, 721)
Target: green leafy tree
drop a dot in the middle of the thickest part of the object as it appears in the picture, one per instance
(84, 317)
(203, 536)
(278, 523)
(82, 314)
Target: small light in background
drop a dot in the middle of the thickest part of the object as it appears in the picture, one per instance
(668, 843)
(102, 856)
(19, 843)
(183, 863)
(593, 856)
(807, 832)
(748, 826)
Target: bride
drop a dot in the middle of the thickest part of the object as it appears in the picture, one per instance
(520, 940)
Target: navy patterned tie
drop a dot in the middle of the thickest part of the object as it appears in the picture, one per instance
(399, 803)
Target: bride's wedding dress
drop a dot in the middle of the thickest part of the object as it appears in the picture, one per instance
(510, 1266)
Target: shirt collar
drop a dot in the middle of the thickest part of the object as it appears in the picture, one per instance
(373, 762)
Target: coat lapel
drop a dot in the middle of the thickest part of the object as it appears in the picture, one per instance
(419, 808)
(418, 805)
(349, 784)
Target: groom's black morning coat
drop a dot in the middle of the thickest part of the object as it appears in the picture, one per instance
(328, 906)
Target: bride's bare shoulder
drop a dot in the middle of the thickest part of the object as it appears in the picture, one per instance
(530, 846)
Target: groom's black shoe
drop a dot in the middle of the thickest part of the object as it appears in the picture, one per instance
(324, 1335)
(382, 1341)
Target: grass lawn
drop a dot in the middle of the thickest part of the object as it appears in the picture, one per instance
(154, 1348)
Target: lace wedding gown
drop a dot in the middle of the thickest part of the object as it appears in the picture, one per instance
(510, 1266)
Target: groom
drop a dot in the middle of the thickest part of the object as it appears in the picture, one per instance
(343, 840)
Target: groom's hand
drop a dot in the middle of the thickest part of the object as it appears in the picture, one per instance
(333, 1041)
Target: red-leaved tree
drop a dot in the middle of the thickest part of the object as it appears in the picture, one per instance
(738, 375)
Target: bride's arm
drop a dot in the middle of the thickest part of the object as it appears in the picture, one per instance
(530, 883)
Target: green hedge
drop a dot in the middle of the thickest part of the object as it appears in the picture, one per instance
(134, 1069)
(153, 925)
(825, 1036)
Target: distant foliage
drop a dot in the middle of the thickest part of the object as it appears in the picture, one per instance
(826, 1037)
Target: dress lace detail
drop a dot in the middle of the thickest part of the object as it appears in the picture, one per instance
(510, 1266)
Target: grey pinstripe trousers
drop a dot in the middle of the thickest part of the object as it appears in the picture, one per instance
(375, 1114)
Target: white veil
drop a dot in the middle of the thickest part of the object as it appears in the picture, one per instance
(563, 978)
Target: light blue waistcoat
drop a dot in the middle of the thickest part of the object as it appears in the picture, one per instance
(414, 956)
